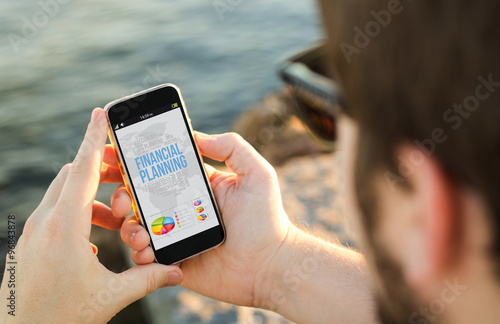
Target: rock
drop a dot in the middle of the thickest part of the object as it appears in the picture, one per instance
(271, 127)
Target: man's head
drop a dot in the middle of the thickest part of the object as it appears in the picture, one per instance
(421, 80)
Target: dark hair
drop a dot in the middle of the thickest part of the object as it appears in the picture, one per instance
(425, 72)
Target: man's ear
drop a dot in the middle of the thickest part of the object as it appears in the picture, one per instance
(426, 208)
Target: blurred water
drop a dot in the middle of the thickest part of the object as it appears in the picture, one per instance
(58, 61)
(88, 53)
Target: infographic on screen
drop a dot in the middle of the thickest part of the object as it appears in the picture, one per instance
(167, 178)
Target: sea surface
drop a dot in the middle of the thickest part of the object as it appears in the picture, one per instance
(61, 58)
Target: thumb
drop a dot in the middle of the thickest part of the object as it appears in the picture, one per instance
(142, 280)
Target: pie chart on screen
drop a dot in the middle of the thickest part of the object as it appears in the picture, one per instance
(162, 225)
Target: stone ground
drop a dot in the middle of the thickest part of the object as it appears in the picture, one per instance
(309, 182)
(310, 198)
(309, 187)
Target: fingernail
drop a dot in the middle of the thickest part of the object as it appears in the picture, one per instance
(173, 279)
(132, 237)
(95, 113)
(94, 248)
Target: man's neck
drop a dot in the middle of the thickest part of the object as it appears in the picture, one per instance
(478, 302)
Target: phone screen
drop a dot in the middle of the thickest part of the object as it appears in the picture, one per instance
(166, 176)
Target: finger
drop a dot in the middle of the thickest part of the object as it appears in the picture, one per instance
(213, 172)
(110, 174)
(134, 234)
(121, 204)
(102, 216)
(210, 170)
(142, 280)
(83, 179)
(109, 156)
(240, 156)
(54, 191)
(216, 177)
(143, 257)
(94, 248)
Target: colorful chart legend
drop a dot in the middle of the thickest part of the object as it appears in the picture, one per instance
(200, 206)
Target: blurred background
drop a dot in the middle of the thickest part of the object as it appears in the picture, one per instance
(61, 58)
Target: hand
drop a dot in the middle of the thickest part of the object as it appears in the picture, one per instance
(57, 276)
(256, 224)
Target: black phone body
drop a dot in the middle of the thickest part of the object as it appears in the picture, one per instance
(164, 173)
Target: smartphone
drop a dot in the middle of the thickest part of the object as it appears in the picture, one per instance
(164, 173)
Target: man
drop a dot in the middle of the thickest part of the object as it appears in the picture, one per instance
(419, 141)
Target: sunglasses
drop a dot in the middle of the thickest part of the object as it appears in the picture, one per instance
(317, 97)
